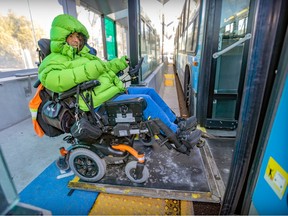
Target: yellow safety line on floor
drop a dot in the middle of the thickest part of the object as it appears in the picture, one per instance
(169, 79)
(114, 204)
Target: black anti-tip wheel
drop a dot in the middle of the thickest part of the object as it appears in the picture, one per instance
(87, 165)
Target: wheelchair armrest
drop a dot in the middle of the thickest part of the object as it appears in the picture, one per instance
(89, 85)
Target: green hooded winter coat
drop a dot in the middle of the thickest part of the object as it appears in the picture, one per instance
(64, 68)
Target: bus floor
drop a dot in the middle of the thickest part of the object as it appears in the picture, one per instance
(39, 183)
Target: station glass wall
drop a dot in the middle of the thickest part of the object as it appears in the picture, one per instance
(121, 37)
(92, 21)
(22, 24)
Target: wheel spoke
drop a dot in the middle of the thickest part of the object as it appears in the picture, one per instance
(86, 166)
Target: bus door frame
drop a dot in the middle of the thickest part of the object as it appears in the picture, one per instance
(206, 86)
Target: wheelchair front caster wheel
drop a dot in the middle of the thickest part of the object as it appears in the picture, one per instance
(146, 140)
(130, 172)
(87, 165)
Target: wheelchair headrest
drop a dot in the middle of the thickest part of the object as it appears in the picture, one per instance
(44, 45)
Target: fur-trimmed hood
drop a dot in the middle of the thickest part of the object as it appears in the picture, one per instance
(62, 26)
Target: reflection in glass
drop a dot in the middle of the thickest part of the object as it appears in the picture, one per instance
(92, 22)
(150, 47)
(121, 40)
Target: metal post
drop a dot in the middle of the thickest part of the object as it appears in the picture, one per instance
(133, 20)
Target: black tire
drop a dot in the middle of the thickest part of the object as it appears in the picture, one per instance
(189, 93)
(191, 107)
(87, 165)
(130, 169)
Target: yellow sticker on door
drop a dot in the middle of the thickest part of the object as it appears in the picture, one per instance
(276, 177)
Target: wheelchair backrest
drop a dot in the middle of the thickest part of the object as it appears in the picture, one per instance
(44, 45)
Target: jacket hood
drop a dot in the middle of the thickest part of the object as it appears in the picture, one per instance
(62, 26)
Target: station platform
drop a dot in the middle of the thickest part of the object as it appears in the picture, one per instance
(178, 184)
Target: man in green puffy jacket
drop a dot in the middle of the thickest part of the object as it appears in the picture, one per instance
(71, 63)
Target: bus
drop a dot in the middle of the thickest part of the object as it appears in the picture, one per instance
(214, 43)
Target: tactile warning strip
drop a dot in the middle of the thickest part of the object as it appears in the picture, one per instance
(113, 204)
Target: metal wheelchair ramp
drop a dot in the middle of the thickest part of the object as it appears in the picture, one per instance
(172, 176)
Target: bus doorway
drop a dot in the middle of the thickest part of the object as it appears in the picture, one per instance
(223, 63)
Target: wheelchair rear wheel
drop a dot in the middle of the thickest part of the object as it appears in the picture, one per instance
(130, 170)
(87, 165)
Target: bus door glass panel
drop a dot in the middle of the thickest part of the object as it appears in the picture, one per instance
(233, 25)
(110, 31)
(224, 108)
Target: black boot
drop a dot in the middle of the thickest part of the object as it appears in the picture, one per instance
(190, 138)
(186, 124)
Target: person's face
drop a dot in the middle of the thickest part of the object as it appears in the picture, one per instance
(75, 40)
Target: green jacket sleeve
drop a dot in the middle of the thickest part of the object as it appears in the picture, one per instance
(59, 74)
(117, 64)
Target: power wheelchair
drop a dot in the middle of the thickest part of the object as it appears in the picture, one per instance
(106, 137)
